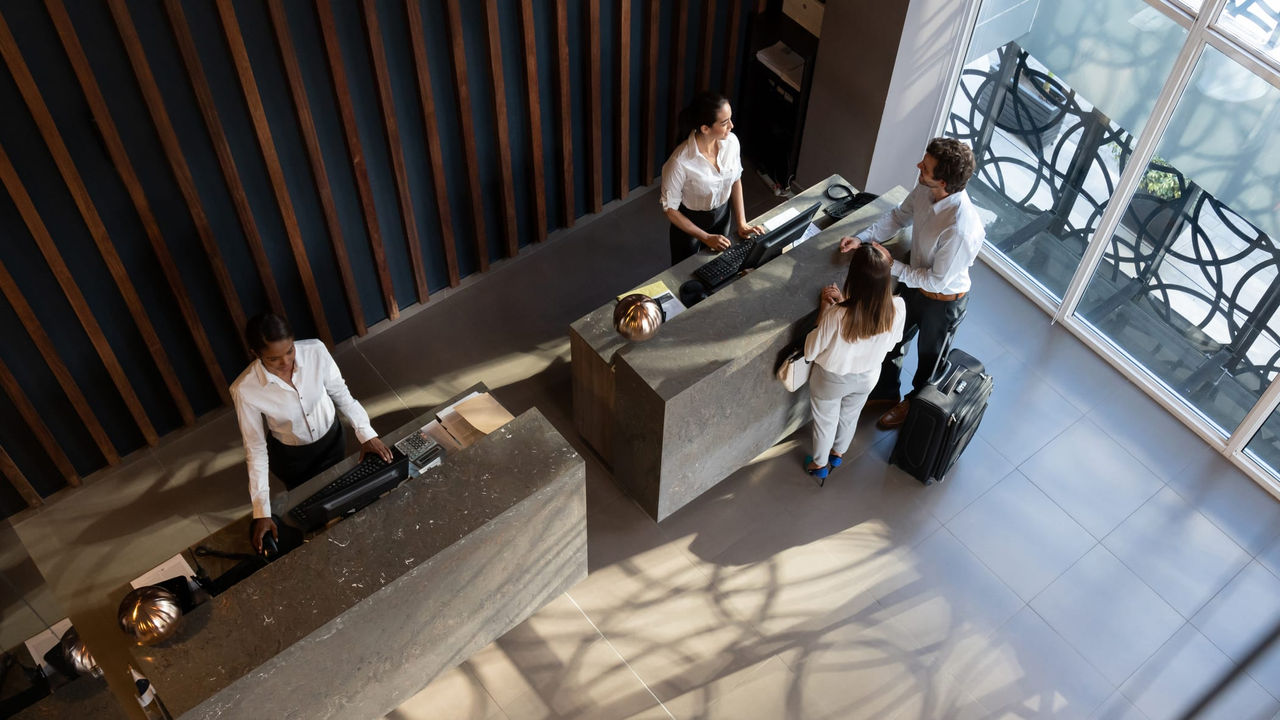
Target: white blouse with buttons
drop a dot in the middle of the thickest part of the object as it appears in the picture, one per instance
(691, 179)
(297, 415)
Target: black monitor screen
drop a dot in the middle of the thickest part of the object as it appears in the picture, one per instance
(770, 245)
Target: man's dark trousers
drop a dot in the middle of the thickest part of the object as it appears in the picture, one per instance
(931, 320)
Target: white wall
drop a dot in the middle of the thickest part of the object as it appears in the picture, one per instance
(931, 37)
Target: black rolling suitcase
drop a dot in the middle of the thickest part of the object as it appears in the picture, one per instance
(943, 417)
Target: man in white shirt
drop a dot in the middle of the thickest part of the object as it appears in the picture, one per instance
(946, 237)
(287, 402)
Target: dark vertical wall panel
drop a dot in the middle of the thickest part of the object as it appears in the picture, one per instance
(243, 210)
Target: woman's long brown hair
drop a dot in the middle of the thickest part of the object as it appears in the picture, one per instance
(868, 304)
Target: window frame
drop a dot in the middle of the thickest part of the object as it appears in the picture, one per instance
(1202, 31)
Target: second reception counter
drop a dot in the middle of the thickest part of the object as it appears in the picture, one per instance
(678, 413)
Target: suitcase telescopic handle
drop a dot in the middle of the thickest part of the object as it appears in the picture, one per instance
(940, 366)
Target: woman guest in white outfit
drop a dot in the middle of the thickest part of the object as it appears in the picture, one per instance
(702, 177)
(855, 330)
(286, 403)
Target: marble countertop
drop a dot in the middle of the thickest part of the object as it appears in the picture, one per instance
(727, 326)
(231, 635)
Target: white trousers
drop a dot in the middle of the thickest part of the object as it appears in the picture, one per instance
(836, 401)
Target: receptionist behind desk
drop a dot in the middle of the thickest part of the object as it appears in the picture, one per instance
(286, 403)
(702, 178)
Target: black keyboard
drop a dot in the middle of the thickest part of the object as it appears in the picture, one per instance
(352, 490)
(841, 208)
(725, 265)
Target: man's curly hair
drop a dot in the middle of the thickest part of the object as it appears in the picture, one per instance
(955, 162)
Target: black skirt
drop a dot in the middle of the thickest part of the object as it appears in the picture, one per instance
(296, 464)
(715, 221)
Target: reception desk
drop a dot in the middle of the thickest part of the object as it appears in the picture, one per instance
(676, 414)
(366, 612)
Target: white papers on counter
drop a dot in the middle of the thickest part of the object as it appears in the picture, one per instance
(808, 233)
(776, 221)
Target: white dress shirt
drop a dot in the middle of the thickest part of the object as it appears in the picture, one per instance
(945, 239)
(297, 415)
(827, 347)
(689, 178)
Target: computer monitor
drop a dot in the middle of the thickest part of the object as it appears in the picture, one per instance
(771, 244)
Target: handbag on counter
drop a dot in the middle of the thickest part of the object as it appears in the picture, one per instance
(794, 370)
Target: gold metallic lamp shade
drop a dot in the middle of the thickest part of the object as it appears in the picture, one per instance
(637, 317)
(78, 655)
(149, 615)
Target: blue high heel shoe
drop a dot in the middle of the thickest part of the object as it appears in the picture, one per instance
(834, 461)
(820, 474)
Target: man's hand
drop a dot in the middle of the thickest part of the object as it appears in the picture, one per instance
(745, 231)
(849, 244)
(716, 242)
(374, 446)
(262, 526)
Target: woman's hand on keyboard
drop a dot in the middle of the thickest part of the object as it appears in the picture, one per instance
(374, 446)
(748, 231)
(716, 242)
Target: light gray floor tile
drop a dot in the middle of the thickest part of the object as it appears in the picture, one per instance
(1156, 438)
(977, 471)
(1117, 707)
(1075, 371)
(943, 596)
(1025, 669)
(1175, 550)
(1025, 413)
(1241, 616)
(864, 496)
(767, 690)
(868, 666)
(1091, 476)
(1109, 615)
(1232, 501)
(1270, 556)
(1018, 532)
(1183, 670)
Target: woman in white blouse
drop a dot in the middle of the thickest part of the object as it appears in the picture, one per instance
(855, 330)
(702, 177)
(286, 403)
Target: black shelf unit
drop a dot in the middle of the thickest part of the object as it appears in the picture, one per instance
(773, 112)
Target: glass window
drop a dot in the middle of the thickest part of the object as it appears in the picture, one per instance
(1188, 283)
(1051, 100)
(1255, 23)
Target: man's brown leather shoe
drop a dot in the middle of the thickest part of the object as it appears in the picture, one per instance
(895, 417)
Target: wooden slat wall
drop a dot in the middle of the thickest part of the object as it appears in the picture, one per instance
(177, 160)
(594, 108)
(89, 212)
(457, 161)
(564, 92)
(509, 231)
(624, 97)
(209, 110)
(534, 109)
(462, 94)
(129, 176)
(652, 47)
(280, 23)
(262, 129)
(355, 150)
(440, 183)
(408, 221)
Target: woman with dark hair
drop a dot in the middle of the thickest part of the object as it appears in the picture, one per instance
(702, 177)
(286, 403)
(855, 330)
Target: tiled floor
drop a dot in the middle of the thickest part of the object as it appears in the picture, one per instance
(1089, 557)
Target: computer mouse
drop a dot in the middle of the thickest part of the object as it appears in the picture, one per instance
(269, 547)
